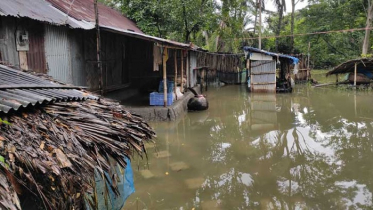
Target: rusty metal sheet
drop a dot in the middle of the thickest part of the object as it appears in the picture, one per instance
(83, 10)
(36, 54)
(78, 14)
(39, 10)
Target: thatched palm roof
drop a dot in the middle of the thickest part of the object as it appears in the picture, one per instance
(349, 66)
(49, 152)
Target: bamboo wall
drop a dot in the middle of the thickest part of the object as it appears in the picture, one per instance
(225, 67)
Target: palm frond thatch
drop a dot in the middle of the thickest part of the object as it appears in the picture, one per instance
(50, 153)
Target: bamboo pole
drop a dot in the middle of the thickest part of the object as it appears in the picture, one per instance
(355, 73)
(182, 72)
(98, 37)
(175, 79)
(164, 78)
(188, 70)
(308, 61)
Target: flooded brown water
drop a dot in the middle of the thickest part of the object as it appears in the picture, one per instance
(312, 149)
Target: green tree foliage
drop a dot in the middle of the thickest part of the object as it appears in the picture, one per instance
(226, 25)
(327, 49)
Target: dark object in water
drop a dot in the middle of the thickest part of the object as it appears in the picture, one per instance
(283, 86)
(360, 78)
(198, 102)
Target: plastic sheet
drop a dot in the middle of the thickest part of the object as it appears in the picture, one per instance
(125, 187)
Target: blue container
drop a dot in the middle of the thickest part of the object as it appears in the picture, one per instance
(156, 99)
(170, 86)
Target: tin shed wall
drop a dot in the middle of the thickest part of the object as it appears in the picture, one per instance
(112, 55)
(76, 38)
(8, 51)
(36, 54)
(263, 76)
(57, 52)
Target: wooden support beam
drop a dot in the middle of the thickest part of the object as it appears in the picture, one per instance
(355, 74)
(182, 71)
(175, 79)
(164, 76)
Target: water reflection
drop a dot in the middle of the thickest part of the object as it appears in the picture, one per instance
(311, 149)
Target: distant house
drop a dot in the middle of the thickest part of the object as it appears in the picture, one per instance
(262, 65)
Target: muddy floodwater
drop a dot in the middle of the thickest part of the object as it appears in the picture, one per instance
(311, 149)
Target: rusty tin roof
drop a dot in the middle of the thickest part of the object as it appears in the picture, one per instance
(83, 10)
(39, 10)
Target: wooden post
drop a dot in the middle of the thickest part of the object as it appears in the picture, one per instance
(175, 80)
(188, 70)
(308, 61)
(336, 78)
(355, 73)
(164, 77)
(98, 37)
(182, 71)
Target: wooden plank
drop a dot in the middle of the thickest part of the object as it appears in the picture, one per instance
(23, 60)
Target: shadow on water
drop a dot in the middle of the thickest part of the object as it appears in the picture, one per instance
(310, 149)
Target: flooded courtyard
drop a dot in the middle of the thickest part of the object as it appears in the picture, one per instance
(311, 149)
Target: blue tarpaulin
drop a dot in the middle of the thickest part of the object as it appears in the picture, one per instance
(293, 60)
(125, 187)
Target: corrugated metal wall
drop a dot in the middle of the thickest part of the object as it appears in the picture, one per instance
(263, 76)
(57, 50)
(8, 51)
(193, 65)
(77, 57)
(36, 53)
(112, 59)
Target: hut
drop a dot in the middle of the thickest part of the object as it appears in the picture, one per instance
(62, 147)
(262, 75)
(60, 38)
(357, 71)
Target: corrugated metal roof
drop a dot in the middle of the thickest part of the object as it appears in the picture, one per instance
(83, 10)
(78, 14)
(162, 41)
(19, 89)
(364, 65)
(293, 60)
(39, 10)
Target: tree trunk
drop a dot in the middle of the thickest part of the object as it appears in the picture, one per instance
(280, 16)
(292, 25)
(368, 24)
(187, 33)
(256, 14)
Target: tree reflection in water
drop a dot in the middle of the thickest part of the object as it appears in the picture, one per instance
(312, 149)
